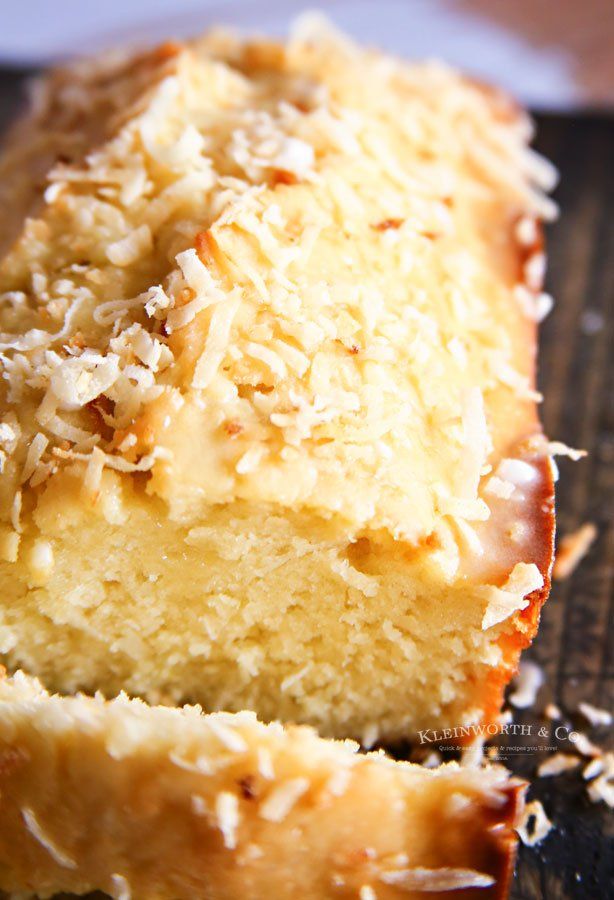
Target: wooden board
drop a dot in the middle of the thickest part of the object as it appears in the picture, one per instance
(575, 645)
(576, 641)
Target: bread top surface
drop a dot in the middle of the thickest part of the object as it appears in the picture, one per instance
(284, 273)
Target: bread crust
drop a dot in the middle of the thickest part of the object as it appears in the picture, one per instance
(155, 803)
(526, 624)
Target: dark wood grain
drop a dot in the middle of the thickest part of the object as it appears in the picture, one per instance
(575, 646)
(13, 87)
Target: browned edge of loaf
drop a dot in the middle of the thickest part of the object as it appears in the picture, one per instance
(544, 522)
(505, 843)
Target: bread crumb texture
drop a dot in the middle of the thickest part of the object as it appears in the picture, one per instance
(268, 418)
(145, 802)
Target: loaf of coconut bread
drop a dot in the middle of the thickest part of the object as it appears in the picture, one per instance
(152, 802)
(268, 430)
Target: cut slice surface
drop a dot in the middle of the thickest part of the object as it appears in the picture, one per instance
(147, 802)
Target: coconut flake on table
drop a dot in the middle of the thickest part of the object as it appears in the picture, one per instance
(595, 715)
(535, 824)
(527, 683)
(557, 763)
(432, 760)
(473, 754)
(552, 711)
(601, 787)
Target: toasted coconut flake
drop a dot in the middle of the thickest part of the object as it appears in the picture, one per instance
(535, 306)
(78, 380)
(535, 270)
(38, 832)
(156, 301)
(434, 880)
(339, 781)
(517, 472)
(558, 448)
(544, 304)
(121, 887)
(601, 789)
(265, 764)
(432, 760)
(506, 717)
(552, 711)
(572, 549)
(263, 147)
(229, 737)
(93, 473)
(594, 715)
(198, 803)
(282, 798)
(535, 824)
(472, 755)
(499, 488)
(366, 892)
(584, 745)
(228, 817)
(595, 767)
(216, 343)
(116, 462)
(41, 559)
(527, 231)
(511, 597)
(557, 763)
(8, 436)
(527, 683)
(35, 452)
(598, 765)
(131, 248)
(16, 511)
(370, 735)
(251, 459)
(9, 547)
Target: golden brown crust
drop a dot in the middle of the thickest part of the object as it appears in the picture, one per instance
(155, 803)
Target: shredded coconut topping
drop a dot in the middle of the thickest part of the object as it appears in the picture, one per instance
(512, 596)
(39, 833)
(228, 817)
(229, 249)
(444, 879)
(282, 798)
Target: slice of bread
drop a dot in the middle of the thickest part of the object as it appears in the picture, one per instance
(151, 802)
(269, 428)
